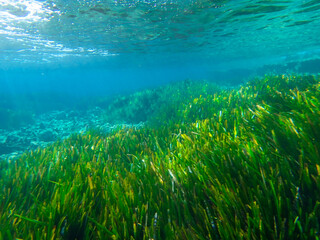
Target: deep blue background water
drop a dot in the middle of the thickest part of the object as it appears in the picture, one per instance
(108, 47)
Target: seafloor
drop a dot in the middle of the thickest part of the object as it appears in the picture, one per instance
(207, 163)
(51, 126)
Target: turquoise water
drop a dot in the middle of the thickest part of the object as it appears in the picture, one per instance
(104, 47)
(134, 126)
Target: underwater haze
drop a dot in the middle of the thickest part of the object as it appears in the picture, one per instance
(101, 47)
(159, 119)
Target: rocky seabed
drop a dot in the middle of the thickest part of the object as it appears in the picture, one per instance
(50, 127)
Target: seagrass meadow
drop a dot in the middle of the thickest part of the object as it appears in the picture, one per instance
(235, 164)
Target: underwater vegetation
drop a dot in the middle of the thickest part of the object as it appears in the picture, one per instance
(237, 164)
(145, 105)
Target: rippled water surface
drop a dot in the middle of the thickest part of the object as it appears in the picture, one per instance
(68, 32)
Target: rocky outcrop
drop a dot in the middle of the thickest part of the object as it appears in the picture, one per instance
(50, 127)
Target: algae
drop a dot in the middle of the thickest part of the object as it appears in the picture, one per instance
(236, 164)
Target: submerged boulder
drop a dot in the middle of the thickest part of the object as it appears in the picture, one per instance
(48, 135)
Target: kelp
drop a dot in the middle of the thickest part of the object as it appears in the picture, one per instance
(237, 164)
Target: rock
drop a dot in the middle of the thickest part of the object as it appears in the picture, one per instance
(73, 114)
(34, 145)
(48, 136)
(49, 127)
(13, 155)
(12, 139)
(60, 115)
(2, 139)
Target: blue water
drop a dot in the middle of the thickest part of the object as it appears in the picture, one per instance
(106, 47)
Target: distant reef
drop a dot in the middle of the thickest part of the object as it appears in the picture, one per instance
(49, 127)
